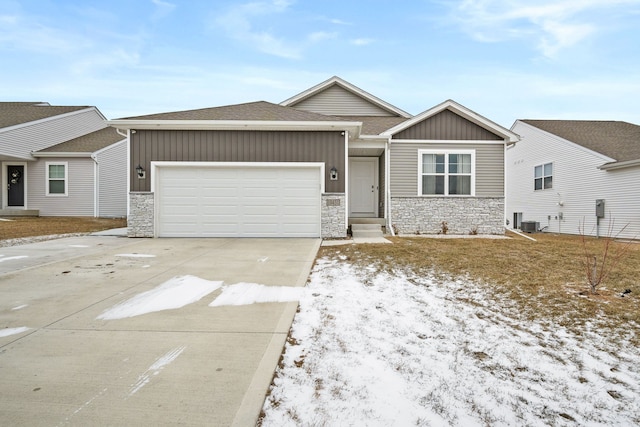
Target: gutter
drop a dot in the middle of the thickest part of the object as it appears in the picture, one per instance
(620, 165)
(57, 154)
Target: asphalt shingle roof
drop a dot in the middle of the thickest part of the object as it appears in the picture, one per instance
(258, 111)
(375, 125)
(17, 113)
(88, 143)
(615, 139)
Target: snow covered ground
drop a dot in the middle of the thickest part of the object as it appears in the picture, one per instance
(378, 349)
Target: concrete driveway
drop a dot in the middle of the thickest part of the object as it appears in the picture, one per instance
(195, 365)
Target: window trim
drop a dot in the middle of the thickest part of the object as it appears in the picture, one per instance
(543, 176)
(47, 179)
(446, 153)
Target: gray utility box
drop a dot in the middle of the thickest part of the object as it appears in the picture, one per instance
(529, 226)
(599, 208)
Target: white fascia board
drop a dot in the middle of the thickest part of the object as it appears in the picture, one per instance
(352, 127)
(377, 143)
(449, 142)
(109, 147)
(47, 119)
(620, 165)
(462, 111)
(58, 154)
(351, 88)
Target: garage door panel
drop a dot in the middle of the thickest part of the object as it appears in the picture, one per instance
(238, 201)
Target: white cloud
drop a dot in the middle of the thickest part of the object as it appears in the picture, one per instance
(553, 24)
(322, 35)
(361, 41)
(163, 9)
(238, 23)
(339, 22)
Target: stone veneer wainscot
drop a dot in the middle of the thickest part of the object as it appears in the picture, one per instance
(333, 216)
(464, 215)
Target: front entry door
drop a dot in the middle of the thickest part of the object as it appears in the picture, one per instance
(15, 185)
(363, 187)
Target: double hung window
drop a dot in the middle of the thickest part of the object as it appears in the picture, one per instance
(446, 173)
(543, 176)
(56, 179)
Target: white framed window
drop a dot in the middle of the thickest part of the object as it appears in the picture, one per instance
(543, 176)
(57, 182)
(446, 172)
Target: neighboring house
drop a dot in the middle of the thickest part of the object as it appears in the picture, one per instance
(308, 167)
(61, 161)
(575, 176)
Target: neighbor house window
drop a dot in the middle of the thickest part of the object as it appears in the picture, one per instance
(56, 179)
(446, 173)
(543, 176)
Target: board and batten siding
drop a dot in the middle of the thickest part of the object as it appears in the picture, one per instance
(237, 146)
(112, 181)
(337, 101)
(80, 197)
(489, 167)
(447, 126)
(21, 141)
(577, 183)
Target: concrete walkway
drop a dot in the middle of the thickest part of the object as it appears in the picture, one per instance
(197, 365)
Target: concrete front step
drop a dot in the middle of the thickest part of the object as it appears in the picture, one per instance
(366, 230)
(19, 212)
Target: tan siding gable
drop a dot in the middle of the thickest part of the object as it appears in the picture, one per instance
(447, 126)
(337, 101)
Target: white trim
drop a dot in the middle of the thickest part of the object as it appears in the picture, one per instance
(387, 186)
(59, 154)
(155, 165)
(108, 147)
(128, 170)
(66, 179)
(460, 110)
(450, 141)
(5, 181)
(335, 80)
(46, 119)
(446, 173)
(346, 179)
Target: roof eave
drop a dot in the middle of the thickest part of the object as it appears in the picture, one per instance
(275, 125)
(620, 165)
(58, 154)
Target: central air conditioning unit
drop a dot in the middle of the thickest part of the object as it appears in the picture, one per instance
(529, 226)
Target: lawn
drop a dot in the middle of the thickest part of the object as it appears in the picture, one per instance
(21, 227)
(462, 332)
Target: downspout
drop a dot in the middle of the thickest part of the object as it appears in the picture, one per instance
(387, 173)
(346, 180)
(96, 186)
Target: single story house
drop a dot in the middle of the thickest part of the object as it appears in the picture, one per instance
(61, 161)
(312, 165)
(575, 177)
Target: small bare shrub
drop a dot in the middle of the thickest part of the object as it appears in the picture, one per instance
(610, 256)
(444, 227)
(474, 231)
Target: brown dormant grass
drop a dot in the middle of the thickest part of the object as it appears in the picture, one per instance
(544, 279)
(18, 227)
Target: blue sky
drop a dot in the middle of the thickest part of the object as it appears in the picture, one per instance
(504, 59)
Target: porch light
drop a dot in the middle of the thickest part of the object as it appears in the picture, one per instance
(333, 174)
(140, 171)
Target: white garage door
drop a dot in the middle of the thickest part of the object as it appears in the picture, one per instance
(238, 201)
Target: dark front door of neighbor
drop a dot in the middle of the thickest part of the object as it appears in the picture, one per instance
(15, 178)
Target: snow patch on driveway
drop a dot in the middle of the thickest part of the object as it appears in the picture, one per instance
(251, 293)
(11, 258)
(136, 255)
(155, 369)
(172, 294)
(13, 331)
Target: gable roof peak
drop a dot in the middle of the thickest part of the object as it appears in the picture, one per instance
(338, 81)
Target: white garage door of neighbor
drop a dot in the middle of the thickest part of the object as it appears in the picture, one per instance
(204, 201)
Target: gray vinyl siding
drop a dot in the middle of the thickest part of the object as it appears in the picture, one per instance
(337, 101)
(21, 141)
(112, 181)
(237, 146)
(448, 126)
(489, 167)
(80, 195)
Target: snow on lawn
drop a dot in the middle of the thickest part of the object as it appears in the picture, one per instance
(251, 293)
(379, 349)
(172, 294)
